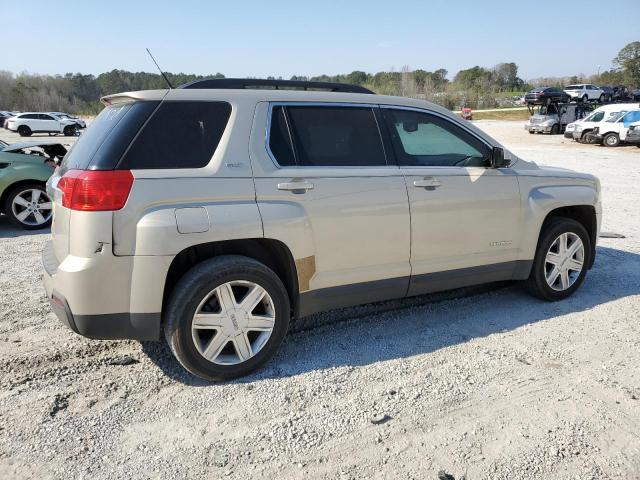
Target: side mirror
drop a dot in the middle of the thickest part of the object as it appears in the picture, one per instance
(497, 158)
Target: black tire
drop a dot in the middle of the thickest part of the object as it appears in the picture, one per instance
(24, 131)
(553, 227)
(555, 129)
(601, 99)
(587, 138)
(70, 131)
(531, 132)
(8, 210)
(194, 286)
(585, 99)
(611, 140)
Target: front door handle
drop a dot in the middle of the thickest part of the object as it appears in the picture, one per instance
(299, 186)
(427, 182)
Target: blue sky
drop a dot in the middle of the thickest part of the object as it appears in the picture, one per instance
(260, 38)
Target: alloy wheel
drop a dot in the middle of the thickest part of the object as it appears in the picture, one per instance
(564, 261)
(32, 207)
(233, 322)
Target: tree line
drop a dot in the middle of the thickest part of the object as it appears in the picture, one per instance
(474, 87)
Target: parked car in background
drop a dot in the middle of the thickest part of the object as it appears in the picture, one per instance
(633, 134)
(3, 117)
(81, 123)
(29, 123)
(208, 215)
(24, 170)
(545, 95)
(554, 118)
(609, 94)
(580, 130)
(613, 131)
(585, 92)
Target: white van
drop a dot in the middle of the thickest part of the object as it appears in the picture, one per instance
(578, 129)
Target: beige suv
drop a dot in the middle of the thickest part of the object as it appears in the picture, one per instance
(215, 213)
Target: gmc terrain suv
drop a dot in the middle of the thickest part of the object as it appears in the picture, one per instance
(215, 213)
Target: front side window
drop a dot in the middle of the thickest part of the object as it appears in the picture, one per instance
(179, 135)
(426, 140)
(331, 136)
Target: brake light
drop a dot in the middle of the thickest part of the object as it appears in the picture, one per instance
(95, 190)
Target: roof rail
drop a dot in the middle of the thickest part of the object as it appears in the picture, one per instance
(243, 83)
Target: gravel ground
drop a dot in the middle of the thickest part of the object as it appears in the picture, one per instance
(485, 383)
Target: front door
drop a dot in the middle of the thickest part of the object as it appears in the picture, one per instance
(465, 216)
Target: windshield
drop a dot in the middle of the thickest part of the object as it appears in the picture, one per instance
(595, 117)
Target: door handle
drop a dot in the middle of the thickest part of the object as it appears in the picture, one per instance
(427, 182)
(296, 185)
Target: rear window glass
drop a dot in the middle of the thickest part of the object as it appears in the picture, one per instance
(280, 138)
(103, 143)
(336, 136)
(179, 135)
(574, 87)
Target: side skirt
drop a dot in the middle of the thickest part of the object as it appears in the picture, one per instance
(315, 301)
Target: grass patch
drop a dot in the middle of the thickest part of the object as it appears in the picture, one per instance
(502, 115)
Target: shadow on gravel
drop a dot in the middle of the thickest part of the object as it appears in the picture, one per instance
(403, 328)
(9, 230)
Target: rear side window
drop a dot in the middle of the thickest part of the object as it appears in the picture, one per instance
(280, 141)
(330, 136)
(104, 142)
(179, 135)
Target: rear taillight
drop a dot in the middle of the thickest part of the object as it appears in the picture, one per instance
(95, 190)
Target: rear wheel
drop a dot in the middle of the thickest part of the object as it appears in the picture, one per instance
(601, 99)
(611, 140)
(562, 259)
(29, 207)
(24, 131)
(555, 129)
(226, 317)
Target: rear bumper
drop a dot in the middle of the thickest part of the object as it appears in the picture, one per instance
(66, 284)
(537, 128)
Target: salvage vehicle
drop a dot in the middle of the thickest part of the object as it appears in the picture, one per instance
(81, 123)
(580, 130)
(26, 124)
(633, 134)
(613, 131)
(554, 118)
(24, 170)
(545, 96)
(585, 92)
(216, 213)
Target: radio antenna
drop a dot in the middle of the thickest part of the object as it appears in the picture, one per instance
(160, 70)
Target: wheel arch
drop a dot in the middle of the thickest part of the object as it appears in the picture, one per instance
(273, 253)
(583, 214)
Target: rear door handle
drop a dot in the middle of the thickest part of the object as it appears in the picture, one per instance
(293, 186)
(427, 182)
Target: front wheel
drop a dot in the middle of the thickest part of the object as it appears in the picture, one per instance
(562, 259)
(585, 99)
(24, 131)
(611, 140)
(601, 99)
(70, 131)
(555, 129)
(226, 317)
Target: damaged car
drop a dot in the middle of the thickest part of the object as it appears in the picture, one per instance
(24, 170)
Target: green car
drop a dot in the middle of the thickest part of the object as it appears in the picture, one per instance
(24, 170)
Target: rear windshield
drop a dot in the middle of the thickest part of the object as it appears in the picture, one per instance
(574, 87)
(179, 135)
(101, 146)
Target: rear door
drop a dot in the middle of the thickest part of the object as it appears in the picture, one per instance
(465, 216)
(47, 123)
(324, 174)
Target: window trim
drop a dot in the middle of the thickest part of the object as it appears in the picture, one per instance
(445, 118)
(390, 161)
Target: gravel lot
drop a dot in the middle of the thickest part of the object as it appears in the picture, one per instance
(489, 383)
